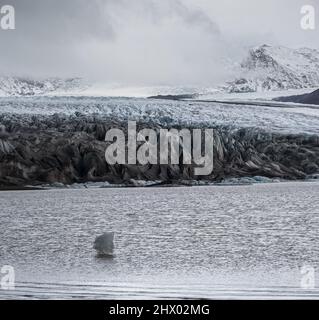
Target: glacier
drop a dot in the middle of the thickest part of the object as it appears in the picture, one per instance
(60, 140)
(289, 118)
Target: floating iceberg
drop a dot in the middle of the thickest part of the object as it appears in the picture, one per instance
(104, 244)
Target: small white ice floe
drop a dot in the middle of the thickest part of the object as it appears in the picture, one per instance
(104, 244)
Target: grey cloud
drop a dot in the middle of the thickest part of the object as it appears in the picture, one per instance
(196, 17)
(144, 41)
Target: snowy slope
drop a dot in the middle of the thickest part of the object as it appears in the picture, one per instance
(277, 68)
(17, 86)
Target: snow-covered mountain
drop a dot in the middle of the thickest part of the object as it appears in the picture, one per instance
(266, 68)
(269, 68)
(18, 86)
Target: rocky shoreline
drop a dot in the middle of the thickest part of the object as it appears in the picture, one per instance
(69, 149)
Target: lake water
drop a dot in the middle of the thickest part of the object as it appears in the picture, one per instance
(187, 242)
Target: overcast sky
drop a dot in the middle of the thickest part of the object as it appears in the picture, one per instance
(145, 42)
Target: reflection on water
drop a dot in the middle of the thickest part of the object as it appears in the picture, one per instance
(213, 242)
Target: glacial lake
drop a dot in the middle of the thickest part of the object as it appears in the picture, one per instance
(225, 242)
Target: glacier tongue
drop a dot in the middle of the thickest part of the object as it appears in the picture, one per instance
(287, 119)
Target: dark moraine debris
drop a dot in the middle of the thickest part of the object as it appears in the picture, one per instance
(309, 98)
(175, 97)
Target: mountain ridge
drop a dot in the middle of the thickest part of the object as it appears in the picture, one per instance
(272, 68)
(265, 68)
(27, 86)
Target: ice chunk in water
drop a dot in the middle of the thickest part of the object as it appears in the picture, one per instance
(104, 244)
